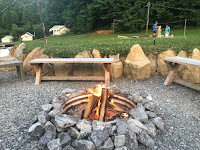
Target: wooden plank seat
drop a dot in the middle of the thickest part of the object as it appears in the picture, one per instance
(174, 63)
(17, 64)
(38, 63)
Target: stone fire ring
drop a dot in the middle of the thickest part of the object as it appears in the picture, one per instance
(54, 129)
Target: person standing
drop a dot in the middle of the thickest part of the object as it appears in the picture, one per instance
(167, 30)
(155, 27)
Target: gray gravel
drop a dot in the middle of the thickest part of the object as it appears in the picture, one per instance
(20, 102)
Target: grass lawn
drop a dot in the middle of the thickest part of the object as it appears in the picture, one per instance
(69, 46)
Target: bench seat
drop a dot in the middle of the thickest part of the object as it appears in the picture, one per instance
(174, 63)
(17, 64)
(38, 63)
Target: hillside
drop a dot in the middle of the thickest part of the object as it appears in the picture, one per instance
(69, 46)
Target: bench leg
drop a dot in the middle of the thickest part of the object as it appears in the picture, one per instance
(20, 72)
(38, 70)
(107, 73)
(172, 74)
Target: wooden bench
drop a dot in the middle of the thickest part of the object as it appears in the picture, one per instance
(17, 64)
(37, 64)
(174, 63)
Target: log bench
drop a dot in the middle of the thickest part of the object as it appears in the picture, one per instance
(17, 64)
(174, 63)
(38, 63)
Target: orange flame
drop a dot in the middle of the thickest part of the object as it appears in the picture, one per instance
(98, 90)
(95, 113)
(124, 115)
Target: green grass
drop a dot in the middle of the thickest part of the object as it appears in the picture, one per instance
(69, 46)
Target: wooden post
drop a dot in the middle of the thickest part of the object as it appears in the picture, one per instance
(148, 4)
(41, 20)
(185, 27)
(38, 70)
(113, 26)
(92, 103)
(20, 72)
(172, 74)
(107, 73)
(104, 102)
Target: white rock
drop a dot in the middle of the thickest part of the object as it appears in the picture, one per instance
(137, 123)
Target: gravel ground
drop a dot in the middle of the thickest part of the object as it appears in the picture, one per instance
(20, 102)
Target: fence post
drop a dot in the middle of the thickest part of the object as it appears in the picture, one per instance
(185, 27)
(113, 26)
(148, 4)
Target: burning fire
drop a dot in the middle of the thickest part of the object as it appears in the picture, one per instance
(96, 111)
(98, 90)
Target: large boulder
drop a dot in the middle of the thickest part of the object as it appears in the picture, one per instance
(84, 54)
(182, 69)
(162, 68)
(83, 69)
(19, 51)
(192, 74)
(63, 69)
(152, 57)
(47, 69)
(117, 69)
(137, 65)
(116, 58)
(97, 68)
(96, 53)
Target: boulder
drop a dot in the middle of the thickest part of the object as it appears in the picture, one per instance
(122, 148)
(99, 136)
(84, 133)
(96, 53)
(47, 69)
(121, 127)
(120, 140)
(192, 74)
(85, 145)
(98, 70)
(73, 132)
(36, 130)
(83, 69)
(116, 57)
(137, 123)
(159, 123)
(139, 113)
(107, 145)
(137, 65)
(83, 124)
(146, 140)
(117, 69)
(43, 117)
(182, 69)
(162, 68)
(19, 51)
(84, 54)
(54, 145)
(153, 59)
(131, 141)
(47, 107)
(65, 139)
(47, 137)
(63, 69)
(68, 148)
(65, 121)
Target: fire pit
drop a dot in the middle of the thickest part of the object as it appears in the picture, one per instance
(102, 118)
(102, 104)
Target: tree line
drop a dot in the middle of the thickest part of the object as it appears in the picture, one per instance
(83, 16)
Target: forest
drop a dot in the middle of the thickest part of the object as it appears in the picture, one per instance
(84, 16)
